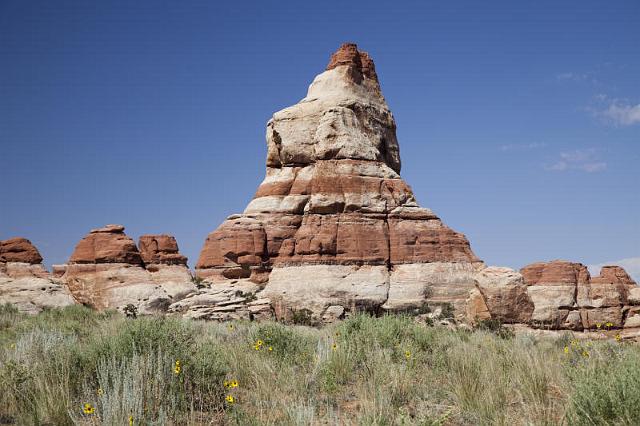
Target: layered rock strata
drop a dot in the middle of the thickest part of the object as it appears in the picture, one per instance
(333, 223)
(565, 296)
(107, 271)
(24, 281)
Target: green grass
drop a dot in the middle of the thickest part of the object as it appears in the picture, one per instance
(362, 371)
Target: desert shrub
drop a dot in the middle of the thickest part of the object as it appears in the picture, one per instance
(302, 317)
(494, 326)
(606, 388)
(364, 370)
(281, 342)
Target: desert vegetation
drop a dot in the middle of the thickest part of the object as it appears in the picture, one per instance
(77, 366)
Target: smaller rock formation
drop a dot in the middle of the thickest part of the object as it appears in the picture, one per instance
(106, 245)
(565, 296)
(19, 250)
(160, 249)
(106, 271)
(24, 281)
(501, 293)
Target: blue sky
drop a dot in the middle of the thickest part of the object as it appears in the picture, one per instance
(518, 124)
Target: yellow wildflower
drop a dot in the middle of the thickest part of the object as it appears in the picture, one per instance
(618, 337)
(230, 399)
(130, 420)
(407, 355)
(233, 384)
(598, 325)
(259, 342)
(100, 392)
(230, 326)
(334, 347)
(177, 368)
(574, 342)
(585, 354)
(609, 324)
(566, 349)
(226, 383)
(256, 347)
(88, 408)
(270, 348)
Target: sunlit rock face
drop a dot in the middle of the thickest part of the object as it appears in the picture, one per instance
(24, 281)
(333, 223)
(565, 296)
(107, 271)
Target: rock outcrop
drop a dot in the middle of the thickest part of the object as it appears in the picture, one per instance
(106, 245)
(107, 271)
(565, 296)
(160, 250)
(24, 281)
(19, 250)
(333, 223)
(332, 229)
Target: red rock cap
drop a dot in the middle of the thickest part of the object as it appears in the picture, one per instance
(348, 54)
(160, 249)
(19, 250)
(106, 245)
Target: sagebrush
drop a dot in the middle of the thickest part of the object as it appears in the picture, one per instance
(77, 366)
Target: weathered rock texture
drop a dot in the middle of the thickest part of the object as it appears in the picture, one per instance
(160, 249)
(333, 223)
(19, 250)
(565, 296)
(106, 270)
(106, 245)
(24, 282)
(332, 229)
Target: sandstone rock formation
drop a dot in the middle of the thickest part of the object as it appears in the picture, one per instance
(24, 282)
(106, 270)
(106, 245)
(565, 296)
(160, 249)
(19, 250)
(333, 223)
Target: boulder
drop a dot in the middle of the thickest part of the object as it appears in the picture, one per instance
(505, 294)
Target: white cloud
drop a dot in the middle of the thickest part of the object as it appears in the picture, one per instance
(631, 265)
(586, 160)
(577, 77)
(621, 114)
(522, 146)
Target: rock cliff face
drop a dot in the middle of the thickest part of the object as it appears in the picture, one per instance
(333, 223)
(565, 296)
(107, 270)
(24, 282)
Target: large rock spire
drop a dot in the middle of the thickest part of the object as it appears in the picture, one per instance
(333, 223)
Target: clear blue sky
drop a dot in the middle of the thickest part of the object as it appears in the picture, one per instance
(518, 124)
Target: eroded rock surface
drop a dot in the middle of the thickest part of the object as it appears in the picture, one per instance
(19, 250)
(333, 224)
(565, 296)
(160, 249)
(107, 271)
(24, 281)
